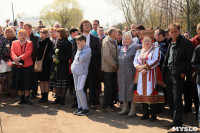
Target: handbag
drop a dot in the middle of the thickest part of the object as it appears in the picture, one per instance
(4, 67)
(39, 63)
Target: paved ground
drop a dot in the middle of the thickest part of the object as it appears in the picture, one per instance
(48, 118)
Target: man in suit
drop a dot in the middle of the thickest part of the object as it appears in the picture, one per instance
(94, 43)
(34, 39)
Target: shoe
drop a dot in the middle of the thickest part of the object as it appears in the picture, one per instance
(27, 101)
(132, 111)
(77, 111)
(57, 101)
(21, 99)
(153, 118)
(75, 105)
(125, 109)
(83, 112)
(93, 107)
(145, 117)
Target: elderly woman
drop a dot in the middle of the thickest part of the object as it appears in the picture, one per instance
(22, 72)
(4, 55)
(148, 79)
(44, 47)
(9, 33)
(59, 78)
(126, 73)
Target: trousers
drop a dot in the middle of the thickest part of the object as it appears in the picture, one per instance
(79, 83)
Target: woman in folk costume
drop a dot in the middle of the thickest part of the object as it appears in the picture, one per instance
(148, 79)
(126, 74)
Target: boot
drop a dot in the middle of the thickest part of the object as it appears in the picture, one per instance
(153, 112)
(62, 101)
(21, 101)
(42, 98)
(27, 100)
(146, 111)
(125, 108)
(133, 108)
(153, 117)
(57, 101)
(45, 97)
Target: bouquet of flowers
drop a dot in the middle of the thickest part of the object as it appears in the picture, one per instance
(56, 62)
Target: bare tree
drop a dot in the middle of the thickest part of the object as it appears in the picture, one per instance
(133, 10)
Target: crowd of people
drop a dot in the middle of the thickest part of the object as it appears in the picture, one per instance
(151, 68)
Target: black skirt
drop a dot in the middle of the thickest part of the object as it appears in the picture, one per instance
(22, 78)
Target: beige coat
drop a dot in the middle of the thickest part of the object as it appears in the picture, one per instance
(109, 56)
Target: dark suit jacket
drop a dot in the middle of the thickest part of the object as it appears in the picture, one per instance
(96, 51)
(34, 40)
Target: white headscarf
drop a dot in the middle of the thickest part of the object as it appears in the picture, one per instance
(126, 33)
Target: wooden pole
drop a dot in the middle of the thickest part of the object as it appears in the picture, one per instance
(13, 13)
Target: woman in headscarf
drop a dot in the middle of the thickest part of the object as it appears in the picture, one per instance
(126, 73)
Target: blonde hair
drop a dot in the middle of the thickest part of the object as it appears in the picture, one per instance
(11, 30)
(52, 29)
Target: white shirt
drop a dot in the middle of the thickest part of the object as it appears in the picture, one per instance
(87, 39)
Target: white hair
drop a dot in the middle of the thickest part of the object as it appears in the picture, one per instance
(57, 23)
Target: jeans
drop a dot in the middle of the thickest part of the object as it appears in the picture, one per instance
(174, 87)
(198, 88)
(79, 83)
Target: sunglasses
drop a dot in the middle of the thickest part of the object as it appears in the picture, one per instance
(42, 32)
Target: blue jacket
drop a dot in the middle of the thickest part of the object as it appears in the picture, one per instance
(81, 61)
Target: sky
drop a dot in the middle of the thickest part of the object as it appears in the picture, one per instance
(93, 9)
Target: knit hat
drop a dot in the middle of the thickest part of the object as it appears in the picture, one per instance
(147, 33)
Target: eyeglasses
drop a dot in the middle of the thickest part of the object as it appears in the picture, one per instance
(86, 24)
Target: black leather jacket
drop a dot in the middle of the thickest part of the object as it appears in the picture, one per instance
(182, 55)
(196, 63)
